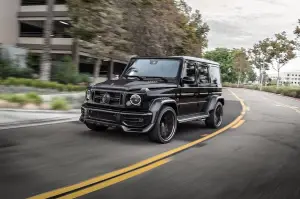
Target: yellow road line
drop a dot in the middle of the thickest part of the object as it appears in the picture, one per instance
(115, 180)
(240, 123)
(142, 163)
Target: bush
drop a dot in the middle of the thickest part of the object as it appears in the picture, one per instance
(8, 69)
(65, 72)
(22, 99)
(59, 104)
(34, 98)
(41, 84)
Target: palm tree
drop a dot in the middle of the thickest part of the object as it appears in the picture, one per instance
(45, 66)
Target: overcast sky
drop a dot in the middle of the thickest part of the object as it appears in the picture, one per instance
(241, 23)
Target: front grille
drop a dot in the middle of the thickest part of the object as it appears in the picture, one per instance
(104, 116)
(115, 98)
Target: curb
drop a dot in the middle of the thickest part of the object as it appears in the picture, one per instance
(41, 111)
(36, 122)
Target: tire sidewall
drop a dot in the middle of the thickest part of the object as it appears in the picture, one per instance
(214, 112)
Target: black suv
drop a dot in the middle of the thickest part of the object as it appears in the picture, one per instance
(154, 94)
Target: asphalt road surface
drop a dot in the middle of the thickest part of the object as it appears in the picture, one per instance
(257, 156)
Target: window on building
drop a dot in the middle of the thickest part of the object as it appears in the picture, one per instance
(40, 2)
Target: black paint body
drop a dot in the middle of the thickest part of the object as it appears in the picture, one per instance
(190, 101)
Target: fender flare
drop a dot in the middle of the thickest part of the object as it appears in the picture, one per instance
(213, 101)
(157, 105)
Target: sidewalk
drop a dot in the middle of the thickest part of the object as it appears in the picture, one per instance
(14, 118)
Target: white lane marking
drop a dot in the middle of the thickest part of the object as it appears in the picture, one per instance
(39, 124)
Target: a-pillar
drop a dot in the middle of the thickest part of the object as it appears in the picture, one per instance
(110, 70)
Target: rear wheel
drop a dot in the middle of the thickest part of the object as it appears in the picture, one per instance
(215, 118)
(165, 127)
(95, 127)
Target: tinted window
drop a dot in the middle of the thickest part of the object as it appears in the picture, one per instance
(153, 68)
(215, 75)
(202, 73)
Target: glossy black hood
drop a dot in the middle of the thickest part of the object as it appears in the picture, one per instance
(130, 85)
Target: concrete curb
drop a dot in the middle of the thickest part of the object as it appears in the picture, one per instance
(72, 111)
(35, 121)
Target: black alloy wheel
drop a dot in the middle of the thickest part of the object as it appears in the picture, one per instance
(215, 118)
(165, 127)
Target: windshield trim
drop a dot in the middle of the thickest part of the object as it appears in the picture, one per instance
(177, 77)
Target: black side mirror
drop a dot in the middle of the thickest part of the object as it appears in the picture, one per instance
(187, 80)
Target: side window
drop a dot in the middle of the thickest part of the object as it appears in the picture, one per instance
(215, 75)
(188, 72)
(202, 73)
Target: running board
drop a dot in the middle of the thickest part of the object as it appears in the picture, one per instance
(189, 118)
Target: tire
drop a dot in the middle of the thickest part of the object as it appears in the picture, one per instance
(215, 117)
(95, 127)
(158, 133)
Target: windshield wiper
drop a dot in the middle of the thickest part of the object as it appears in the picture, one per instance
(162, 78)
(134, 76)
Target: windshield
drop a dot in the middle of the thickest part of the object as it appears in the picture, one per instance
(154, 68)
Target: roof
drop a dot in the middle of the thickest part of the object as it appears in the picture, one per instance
(198, 59)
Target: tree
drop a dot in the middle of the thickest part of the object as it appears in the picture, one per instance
(225, 57)
(297, 33)
(259, 57)
(251, 76)
(99, 26)
(281, 50)
(241, 64)
(45, 67)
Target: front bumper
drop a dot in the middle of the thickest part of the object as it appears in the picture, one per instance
(128, 121)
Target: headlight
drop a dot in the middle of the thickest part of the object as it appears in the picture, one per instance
(88, 94)
(135, 100)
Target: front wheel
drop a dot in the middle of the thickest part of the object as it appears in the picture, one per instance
(215, 118)
(165, 127)
(95, 127)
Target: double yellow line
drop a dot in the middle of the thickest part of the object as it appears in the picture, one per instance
(120, 175)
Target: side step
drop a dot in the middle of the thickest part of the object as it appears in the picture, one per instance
(192, 117)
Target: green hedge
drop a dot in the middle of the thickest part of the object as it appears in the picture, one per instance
(286, 91)
(59, 104)
(22, 98)
(40, 84)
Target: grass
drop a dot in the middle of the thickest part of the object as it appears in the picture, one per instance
(11, 81)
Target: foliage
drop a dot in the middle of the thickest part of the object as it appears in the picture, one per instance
(8, 69)
(297, 33)
(65, 72)
(59, 104)
(241, 64)
(281, 51)
(225, 58)
(251, 76)
(118, 28)
(41, 84)
(259, 57)
(22, 98)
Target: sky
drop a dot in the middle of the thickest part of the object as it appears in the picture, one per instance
(242, 23)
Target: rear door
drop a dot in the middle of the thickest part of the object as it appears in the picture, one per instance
(204, 85)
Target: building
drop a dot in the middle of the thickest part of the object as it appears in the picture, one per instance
(22, 23)
(287, 78)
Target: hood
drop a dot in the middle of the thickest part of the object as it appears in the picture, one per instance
(129, 85)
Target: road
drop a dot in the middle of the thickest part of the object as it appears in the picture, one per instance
(258, 157)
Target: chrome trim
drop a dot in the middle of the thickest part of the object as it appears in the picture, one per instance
(192, 118)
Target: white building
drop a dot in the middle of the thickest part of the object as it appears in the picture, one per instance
(291, 78)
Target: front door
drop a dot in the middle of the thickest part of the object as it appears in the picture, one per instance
(189, 98)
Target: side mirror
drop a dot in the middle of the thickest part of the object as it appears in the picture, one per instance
(187, 80)
(215, 81)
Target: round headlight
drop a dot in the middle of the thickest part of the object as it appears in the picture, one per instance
(136, 100)
(88, 94)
